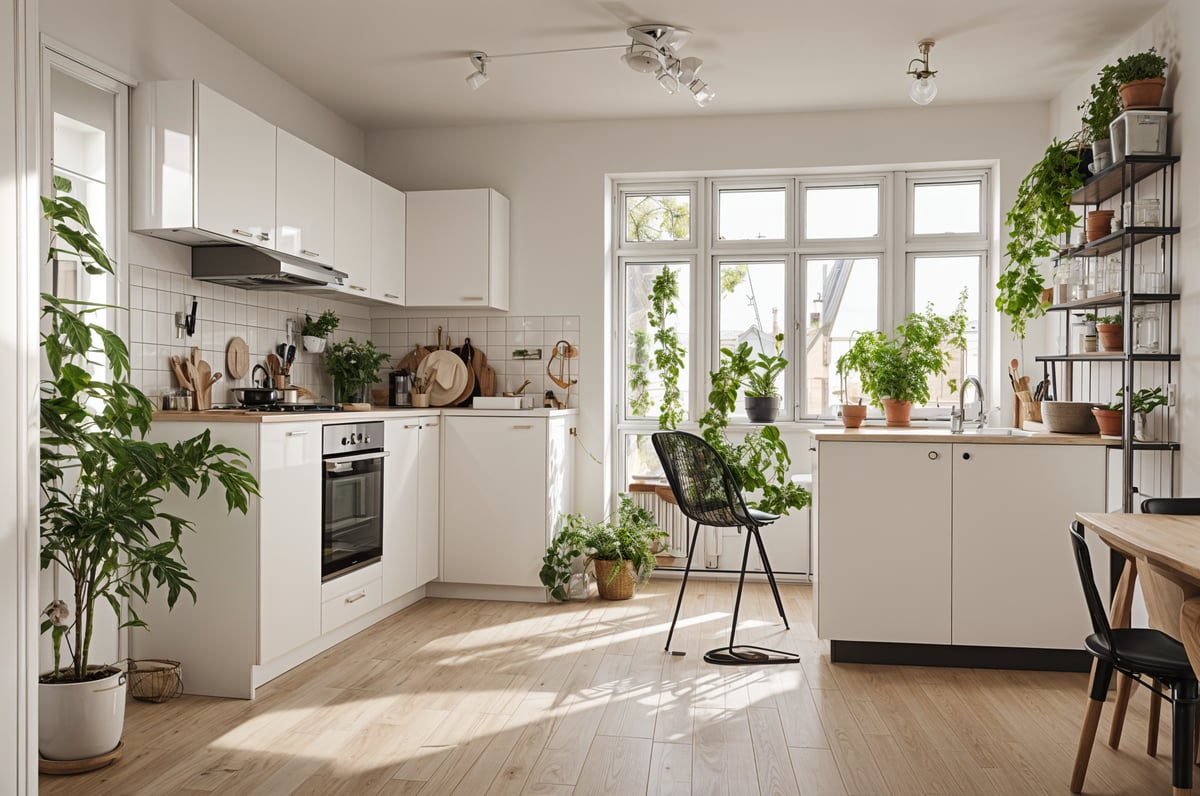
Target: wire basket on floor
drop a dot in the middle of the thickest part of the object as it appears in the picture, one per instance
(155, 679)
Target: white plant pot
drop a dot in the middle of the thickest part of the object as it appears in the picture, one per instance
(77, 721)
(314, 345)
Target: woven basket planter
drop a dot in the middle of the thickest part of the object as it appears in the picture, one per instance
(155, 680)
(621, 585)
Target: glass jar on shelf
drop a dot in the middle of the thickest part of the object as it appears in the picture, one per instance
(1062, 283)
(1078, 279)
(1147, 329)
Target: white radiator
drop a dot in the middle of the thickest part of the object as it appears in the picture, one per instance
(671, 519)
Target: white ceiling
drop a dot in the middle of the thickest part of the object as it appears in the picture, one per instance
(403, 63)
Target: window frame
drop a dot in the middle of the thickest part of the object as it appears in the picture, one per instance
(950, 239)
(790, 230)
(626, 190)
(852, 180)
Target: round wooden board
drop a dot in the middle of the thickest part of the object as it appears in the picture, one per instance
(79, 766)
(237, 358)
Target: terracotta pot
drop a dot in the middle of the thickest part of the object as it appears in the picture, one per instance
(1109, 420)
(897, 412)
(1142, 93)
(1112, 336)
(1099, 224)
(853, 415)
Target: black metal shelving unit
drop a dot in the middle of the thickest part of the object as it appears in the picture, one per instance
(1071, 373)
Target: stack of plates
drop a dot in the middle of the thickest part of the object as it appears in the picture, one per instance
(449, 377)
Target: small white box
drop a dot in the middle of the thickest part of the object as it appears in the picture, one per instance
(1138, 133)
(500, 402)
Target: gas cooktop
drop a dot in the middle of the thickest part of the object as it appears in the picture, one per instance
(282, 408)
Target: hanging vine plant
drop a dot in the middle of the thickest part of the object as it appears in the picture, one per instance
(1039, 217)
(639, 374)
(669, 355)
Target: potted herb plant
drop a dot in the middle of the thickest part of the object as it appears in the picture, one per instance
(1111, 418)
(354, 367)
(1039, 217)
(315, 331)
(102, 488)
(895, 370)
(1141, 79)
(620, 548)
(1110, 330)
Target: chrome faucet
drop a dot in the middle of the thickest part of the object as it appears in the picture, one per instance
(956, 413)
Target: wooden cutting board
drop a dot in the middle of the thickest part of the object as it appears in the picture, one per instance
(237, 358)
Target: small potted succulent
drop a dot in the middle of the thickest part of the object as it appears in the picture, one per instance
(316, 331)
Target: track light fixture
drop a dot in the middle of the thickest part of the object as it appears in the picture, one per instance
(652, 51)
(923, 89)
(480, 75)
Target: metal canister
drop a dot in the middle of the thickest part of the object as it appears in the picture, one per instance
(398, 388)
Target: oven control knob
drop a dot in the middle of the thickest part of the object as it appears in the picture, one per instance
(368, 440)
(345, 441)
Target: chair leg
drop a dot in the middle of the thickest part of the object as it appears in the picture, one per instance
(737, 603)
(1124, 684)
(1152, 724)
(1101, 675)
(679, 601)
(1183, 727)
(762, 553)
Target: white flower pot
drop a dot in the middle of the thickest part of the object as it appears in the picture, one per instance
(314, 345)
(81, 720)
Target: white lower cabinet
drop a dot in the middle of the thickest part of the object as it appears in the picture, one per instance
(351, 596)
(949, 543)
(506, 480)
(411, 529)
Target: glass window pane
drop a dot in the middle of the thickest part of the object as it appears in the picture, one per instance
(841, 212)
(640, 459)
(843, 298)
(753, 308)
(752, 214)
(643, 382)
(658, 217)
(939, 280)
(951, 208)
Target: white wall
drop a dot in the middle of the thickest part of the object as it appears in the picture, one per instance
(554, 174)
(1175, 32)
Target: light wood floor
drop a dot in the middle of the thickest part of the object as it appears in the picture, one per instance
(461, 697)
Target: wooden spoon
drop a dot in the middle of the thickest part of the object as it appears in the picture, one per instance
(180, 375)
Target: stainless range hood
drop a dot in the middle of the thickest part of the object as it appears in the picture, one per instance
(254, 269)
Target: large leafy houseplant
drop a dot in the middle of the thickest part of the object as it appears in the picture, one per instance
(1039, 217)
(628, 535)
(760, 461)
(353, 366)
(102, 483)
(899, 366)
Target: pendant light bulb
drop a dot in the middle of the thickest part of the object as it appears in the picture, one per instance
(923, 90)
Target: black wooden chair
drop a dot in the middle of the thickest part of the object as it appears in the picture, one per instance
(1137, 653)
(1173, 505)
(707, 494)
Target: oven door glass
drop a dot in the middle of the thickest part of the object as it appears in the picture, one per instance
(353, 515)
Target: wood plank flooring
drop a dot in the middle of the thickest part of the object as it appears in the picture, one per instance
(465, 697)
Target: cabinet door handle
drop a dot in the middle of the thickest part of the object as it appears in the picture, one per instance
(391, 296)
(355, 598)
(297, 433)
(308, 253)
(933, 456)
(243, 233)
(430, 425)
(413, 425)
(966, 456)
(472, 298)
(525, 426)
(356, 287)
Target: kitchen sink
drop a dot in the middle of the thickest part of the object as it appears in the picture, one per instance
(996, 432)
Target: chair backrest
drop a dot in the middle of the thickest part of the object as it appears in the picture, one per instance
(702, 483)
(1171, 506)
(1083, 561)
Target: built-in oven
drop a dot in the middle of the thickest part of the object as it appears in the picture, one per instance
(352, 504)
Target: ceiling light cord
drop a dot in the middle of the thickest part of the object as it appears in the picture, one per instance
(924, 88)
(652, 51)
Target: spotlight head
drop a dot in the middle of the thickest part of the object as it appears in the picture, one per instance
(701, 92)
(479, 76)
(642, 58)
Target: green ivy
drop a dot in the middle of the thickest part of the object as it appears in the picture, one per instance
(669, 355)
(639, 376)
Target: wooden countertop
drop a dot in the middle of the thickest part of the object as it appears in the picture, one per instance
(378, 413)
(927, 435)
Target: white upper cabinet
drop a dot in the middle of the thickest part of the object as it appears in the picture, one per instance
(388, 261)
(457, 249)
(304, 200)
(203, 166)
(352, 227)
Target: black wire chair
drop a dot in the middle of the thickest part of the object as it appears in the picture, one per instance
(707, 494)
(1135, 652)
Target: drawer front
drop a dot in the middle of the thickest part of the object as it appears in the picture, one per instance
(350, 605)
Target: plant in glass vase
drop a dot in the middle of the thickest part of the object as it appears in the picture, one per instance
(353, 367)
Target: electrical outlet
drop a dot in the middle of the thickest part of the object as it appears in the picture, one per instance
(1172, 394)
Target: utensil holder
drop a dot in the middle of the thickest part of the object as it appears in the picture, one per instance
(1029, 408)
